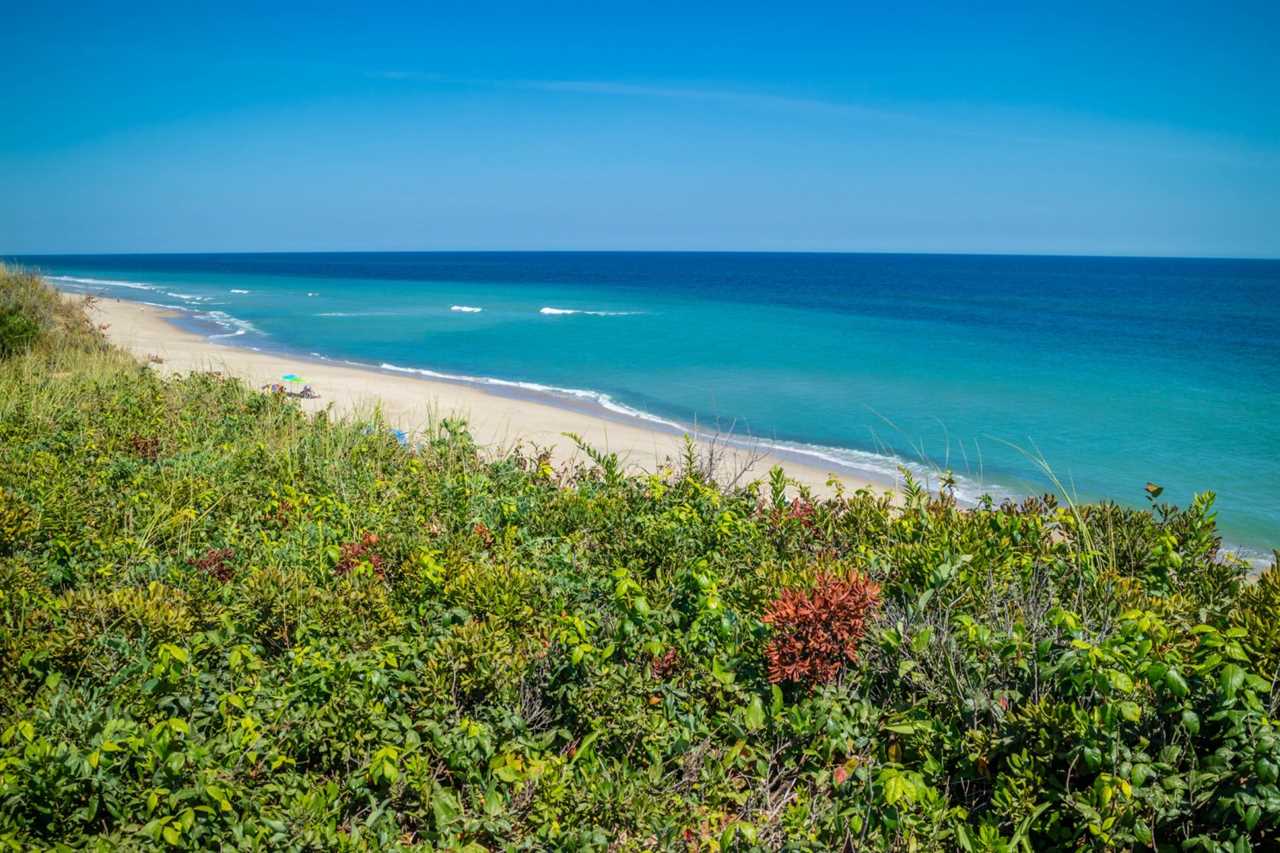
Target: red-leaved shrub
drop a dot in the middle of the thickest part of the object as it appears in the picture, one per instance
(145, 447)
(665, 664)
(216, 562)
(816, 633)
(353, 554)
(802, 511)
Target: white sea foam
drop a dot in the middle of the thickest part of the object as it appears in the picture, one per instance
(238, 290)
(234, 325)
(597, 397)
(187, 297)
(312, 293)
(466, 309)
(101, 282)
(879, 467)
(557, 312)
(882, 467)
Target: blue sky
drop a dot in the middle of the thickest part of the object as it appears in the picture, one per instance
(1074, 128)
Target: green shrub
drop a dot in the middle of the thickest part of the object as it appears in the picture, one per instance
(18, 332)
(1257, 615)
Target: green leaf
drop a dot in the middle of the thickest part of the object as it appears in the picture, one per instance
(1191, 721)
(1230, 680)
(1176, 683)
(1119, 681)
(754, 714)
(507, 767)
(898, 788)
(1131, 711)
(776, 706)
(723, 675)
(1020, 837)
(178, 654)
(584, 748)
(444, 805)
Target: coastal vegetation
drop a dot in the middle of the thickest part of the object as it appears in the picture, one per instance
(224, 622)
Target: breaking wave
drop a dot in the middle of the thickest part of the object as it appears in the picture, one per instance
(101, 282)
(875, 466)
(557, 312)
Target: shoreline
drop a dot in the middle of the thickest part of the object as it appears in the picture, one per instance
(497, 417)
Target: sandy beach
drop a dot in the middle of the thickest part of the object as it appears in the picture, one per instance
(407, 402)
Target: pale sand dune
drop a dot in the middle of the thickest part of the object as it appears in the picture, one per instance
(496, 421)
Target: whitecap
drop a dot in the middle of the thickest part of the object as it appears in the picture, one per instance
(234, 325)
(101, 282)
(238, 290)
(557, 312)
(466, 309)
(597, 397)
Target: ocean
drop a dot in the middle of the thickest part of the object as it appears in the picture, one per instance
(1113, 371)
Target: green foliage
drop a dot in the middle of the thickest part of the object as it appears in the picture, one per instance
(17, 332)
(1257, 613)
(223, 623)
(31, 313)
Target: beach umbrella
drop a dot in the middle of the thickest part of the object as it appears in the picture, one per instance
(292, 377)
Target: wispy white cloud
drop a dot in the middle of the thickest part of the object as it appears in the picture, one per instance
(743, 98)
(639, 90)
(1008, 128)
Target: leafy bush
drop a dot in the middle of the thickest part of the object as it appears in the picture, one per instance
(31, 313)
(1257, 615)
(816, 633)
(17, 332)
(226, 624)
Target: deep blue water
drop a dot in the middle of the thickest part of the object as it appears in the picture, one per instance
(1116, 370)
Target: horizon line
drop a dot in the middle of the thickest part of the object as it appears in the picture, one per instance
(933, 253)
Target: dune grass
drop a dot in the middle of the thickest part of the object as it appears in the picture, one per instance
(226, 623)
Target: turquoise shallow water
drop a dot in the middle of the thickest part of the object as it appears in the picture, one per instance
(1116, 370)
